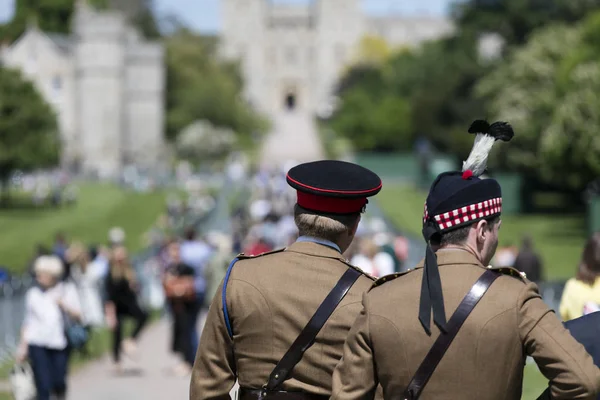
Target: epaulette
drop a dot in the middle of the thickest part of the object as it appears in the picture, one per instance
(357, 269)
(510, 271)
(243, 256)
(391, 277)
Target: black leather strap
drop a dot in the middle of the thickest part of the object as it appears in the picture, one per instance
(311, 330)
(435, 355)
(261, 394)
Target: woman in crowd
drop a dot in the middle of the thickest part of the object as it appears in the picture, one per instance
(122, 303)
(47, 306)
(88, 281)
(582, 293)
(371, 260)
(181, 295)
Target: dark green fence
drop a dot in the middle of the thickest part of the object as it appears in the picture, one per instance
(512, 201)
(406, 166)
(594, 215)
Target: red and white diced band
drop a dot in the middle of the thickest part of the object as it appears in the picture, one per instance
(465, 214)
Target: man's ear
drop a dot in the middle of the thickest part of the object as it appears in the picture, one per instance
(482, 230)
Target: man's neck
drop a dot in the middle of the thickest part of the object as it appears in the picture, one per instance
(464, 247)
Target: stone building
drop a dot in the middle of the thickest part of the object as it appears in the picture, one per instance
(292, 54)
(106, 84)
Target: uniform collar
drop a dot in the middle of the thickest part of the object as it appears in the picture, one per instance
(324, 242)
(314, 249)
(453, 256)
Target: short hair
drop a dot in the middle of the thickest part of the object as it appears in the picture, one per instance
(589, 266)
(459, 236)
(323, 226)
(49, 264)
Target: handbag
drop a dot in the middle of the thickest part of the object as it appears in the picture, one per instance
(77, 335)
(22, 382)
(180, 288)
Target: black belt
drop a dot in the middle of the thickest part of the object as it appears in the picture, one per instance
(259, 394)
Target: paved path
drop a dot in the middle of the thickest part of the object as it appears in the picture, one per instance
(294, 136)
(148, 379)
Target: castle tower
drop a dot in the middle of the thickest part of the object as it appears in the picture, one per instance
(99, 58)
(243, 38)
(144, 102)
(340, 25)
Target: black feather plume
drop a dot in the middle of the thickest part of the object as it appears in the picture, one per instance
(501, 131)
(479, 126)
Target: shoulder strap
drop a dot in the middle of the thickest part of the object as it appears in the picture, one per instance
(224, 297)
(435, 355)
(311, 330)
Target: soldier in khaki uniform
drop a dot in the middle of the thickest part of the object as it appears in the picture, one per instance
(279, 320)
(504, 317)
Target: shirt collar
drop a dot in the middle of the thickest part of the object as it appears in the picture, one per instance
(324, 242)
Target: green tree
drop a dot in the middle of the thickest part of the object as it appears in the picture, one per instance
(372, 122)
(28, 129)
(50, 15)
(432, 89)
(439, 79)
(140, 13)
(55, 16)
(201, 141)
(203, 88)
(515, 20)
(549, 91)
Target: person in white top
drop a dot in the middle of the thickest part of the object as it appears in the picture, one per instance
(371, 260)
(43, 338)
(88, 278)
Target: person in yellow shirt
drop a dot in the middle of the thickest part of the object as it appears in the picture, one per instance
(581, 295)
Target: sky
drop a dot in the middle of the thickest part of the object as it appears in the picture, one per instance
(203, 15)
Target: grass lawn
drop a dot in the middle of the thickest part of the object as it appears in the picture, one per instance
(534, 383)
(99, 208)
(559, 239)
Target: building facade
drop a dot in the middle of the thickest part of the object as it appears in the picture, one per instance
(292, 55)
(106, 84)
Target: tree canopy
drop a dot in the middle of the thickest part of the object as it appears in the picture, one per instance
(429, 89)
(200, 87)
(55, 16)
(545, 81)
(515, 20)
(29, 136)
(549, 91)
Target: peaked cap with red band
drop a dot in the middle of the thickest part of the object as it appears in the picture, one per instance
(458, 199)
(333, 187)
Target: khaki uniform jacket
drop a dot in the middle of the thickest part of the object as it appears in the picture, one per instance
(485, 361)
(270, 299)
